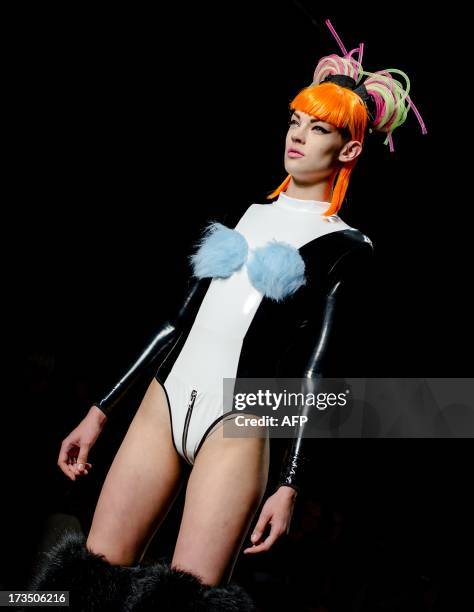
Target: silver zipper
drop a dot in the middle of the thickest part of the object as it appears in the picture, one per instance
(186, 422)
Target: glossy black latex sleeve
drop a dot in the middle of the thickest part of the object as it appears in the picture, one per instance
(349, 289)
(162, 340)
(170, 329)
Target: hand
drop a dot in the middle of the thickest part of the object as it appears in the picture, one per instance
(75, 448)
(277, 511)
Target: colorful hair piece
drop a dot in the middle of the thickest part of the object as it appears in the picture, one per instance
(345, 109)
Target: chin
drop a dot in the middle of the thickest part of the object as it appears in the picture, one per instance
(294, 162)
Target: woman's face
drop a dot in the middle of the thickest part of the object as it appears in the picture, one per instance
(323, 146)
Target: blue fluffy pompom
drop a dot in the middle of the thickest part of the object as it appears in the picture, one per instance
(221, 252)
(277, 270)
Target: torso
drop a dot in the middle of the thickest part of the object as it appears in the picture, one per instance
(218, 343)
(230, 303)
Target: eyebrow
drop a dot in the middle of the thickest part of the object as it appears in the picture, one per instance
(295, 114)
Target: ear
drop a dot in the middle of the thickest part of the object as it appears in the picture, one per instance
(350, 151)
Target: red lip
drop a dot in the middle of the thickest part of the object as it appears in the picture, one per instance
(295, 151)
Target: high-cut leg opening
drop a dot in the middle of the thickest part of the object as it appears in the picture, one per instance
(168, 403)
(228, 416)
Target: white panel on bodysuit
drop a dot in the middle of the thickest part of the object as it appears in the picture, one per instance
(212, 349)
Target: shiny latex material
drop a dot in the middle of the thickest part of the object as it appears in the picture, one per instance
(308, 335)
(164, 338)
(334, 346)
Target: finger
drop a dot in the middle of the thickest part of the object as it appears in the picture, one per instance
(63, 463)
(257, 548)
(72, 471)
(69, 472)
(260, 527)
(275, 533)
(80, 471)
(82, 458)
(64, 455)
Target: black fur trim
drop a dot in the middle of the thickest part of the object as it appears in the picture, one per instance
(160, 587)
(229, 598)
(96, 585)
(93, 583)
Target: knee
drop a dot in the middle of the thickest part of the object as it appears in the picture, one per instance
(112, 552)
(208, 577)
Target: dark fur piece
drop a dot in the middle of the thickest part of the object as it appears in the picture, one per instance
(96, 585)
(93, 583)
(161, 588)
(229, 598)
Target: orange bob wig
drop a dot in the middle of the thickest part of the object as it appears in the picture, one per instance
(342, 108)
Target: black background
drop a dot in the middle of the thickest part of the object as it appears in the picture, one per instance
(128, 129)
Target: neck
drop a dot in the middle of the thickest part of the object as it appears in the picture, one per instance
(296, 205)
(320, 191)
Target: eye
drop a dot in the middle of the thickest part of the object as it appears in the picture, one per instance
(316, 127)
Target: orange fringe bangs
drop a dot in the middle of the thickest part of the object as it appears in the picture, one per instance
(342, 108)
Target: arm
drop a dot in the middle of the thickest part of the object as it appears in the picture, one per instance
(162, 340)
(169, 331)
(75, 448)
(345, 304)
(345, 298)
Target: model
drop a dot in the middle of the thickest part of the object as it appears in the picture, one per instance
(263, 298)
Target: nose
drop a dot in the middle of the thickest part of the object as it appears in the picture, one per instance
(297, 134)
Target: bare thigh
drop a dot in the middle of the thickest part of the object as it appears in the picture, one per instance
(141, 484)
(224, 491)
